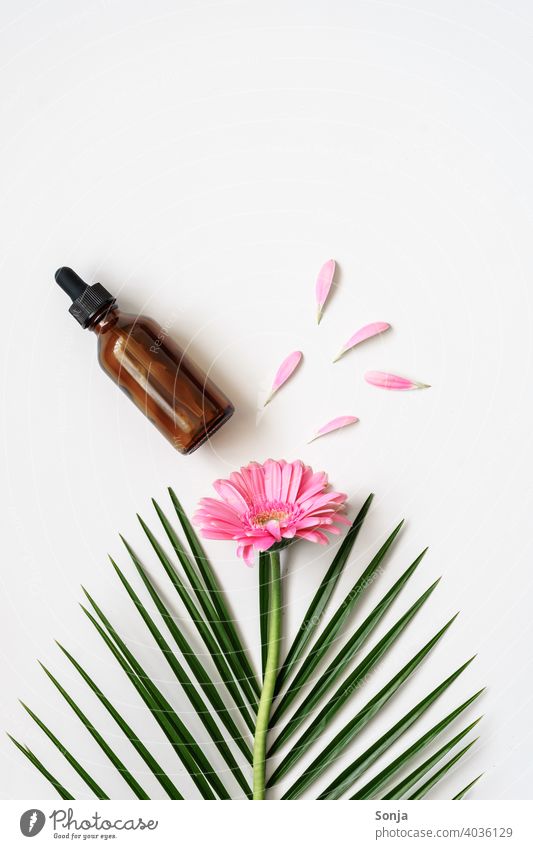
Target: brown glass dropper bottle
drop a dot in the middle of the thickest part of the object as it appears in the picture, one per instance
(141, 358)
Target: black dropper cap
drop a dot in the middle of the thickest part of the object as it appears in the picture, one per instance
(87, 300)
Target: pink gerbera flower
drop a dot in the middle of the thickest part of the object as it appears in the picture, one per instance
(266, 505)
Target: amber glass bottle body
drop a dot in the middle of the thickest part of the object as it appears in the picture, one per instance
(141, 358)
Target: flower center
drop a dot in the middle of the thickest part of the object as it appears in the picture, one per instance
(268, 515)
(263, 512)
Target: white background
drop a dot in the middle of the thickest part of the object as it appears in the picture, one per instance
(202, 160)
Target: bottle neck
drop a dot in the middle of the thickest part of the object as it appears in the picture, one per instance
(104, 320)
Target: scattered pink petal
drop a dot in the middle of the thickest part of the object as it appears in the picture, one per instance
(362, 335)
(288, 366)
(335, 424)
(392, 381)
(323, 285)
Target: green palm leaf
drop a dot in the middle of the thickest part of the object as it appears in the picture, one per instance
(223, 704)
(353, 727)
(216, 594)
(323, 594)
(334, 626)
(380, 781)
(350, 686)
(182, 742)
(89, 781)
(344, 781)
(343, 658)
(189, 689)
(105, 747)
(194, 664)
(34, 760)
(462, 793)
(440, 773)
(205, 633)
(137, 744)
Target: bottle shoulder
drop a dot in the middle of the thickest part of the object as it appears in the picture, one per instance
(122, 323)
(128, 321)
(135, 336)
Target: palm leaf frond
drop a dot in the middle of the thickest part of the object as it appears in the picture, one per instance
(380, 781)
(225, 703)
(192, 694)
(350, 686)
(334, 626)
(462, 793)
(197, 668)
(34, 760)
(424, 789)
(183, 744)
(334, 749)
(343, 658)
(130, 780)
(82, 772)
(216, 594)
(128, 732)
(320, 600)
(344, 781)
(216, 653)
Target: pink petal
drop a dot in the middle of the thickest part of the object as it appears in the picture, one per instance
(314, 536)
(392, 381)
(312, 482)
(210, 508)
(211, 534)
(309, 522)
(323, 285)
(286, 474)
(296, 477)
(263, 543)
(362, 335)
(231, 495)
(335, 424)
(272, 480)
(285, 370)
(273, 529)
(332, 499)
(247, 554)
(241, 485)
(254, 474)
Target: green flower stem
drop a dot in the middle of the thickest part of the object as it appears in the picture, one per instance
(269, 680)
